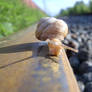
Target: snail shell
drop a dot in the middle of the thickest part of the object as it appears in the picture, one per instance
(51, 28)
(53, 31)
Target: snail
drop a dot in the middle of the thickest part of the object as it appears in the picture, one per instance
(53, 31)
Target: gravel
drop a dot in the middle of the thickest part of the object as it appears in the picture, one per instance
(80, 37)
(88, 87)
(85, 67)
(81, 86)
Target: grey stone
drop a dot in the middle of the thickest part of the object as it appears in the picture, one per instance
(79, 39)
(78, 77)
(88, 87)
(68, 37)
(89, 43)
(74, 61)
(81, 86)
(87, 77)
(66, 41)
(83, 55)
(85, 67)
(76, 44)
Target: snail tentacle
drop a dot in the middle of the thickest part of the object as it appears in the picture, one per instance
(69, 48)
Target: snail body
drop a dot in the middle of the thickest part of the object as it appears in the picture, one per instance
(53, 31)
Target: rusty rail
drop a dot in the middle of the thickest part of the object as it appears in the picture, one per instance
(26, 67)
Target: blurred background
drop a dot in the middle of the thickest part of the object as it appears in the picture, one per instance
(64, 7)
(16, 15)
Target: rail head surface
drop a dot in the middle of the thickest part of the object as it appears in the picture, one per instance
(62, 78)
(26, 67)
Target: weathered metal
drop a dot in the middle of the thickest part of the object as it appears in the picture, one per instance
(26, 67)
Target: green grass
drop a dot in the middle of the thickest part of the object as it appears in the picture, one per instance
(14, 16)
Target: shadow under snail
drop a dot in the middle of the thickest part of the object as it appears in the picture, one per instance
(53, 31)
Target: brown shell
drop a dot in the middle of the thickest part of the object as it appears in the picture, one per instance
(51, 28)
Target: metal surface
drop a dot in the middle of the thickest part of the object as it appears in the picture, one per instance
(26, 67)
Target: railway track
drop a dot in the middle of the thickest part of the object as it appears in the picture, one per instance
(26, 67)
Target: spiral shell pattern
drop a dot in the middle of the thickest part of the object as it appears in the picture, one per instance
(51, 28)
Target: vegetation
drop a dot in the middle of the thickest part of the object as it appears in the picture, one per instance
(79, 8)
(15, 15)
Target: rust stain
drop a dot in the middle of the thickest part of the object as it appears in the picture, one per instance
(69, 73)
(25, 69)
